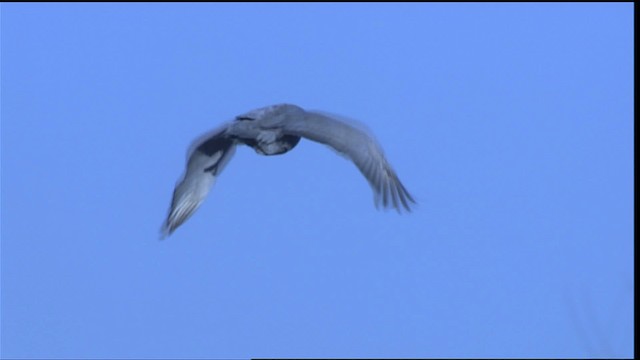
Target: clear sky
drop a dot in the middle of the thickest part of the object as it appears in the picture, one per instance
(511, 124)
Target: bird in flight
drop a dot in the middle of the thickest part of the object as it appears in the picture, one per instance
(275, 130)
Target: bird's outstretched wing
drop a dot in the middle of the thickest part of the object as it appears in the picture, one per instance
(206, 158)
(361, 148)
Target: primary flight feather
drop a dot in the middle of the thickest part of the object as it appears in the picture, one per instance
(275, 130)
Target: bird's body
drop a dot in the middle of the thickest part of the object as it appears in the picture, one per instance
(275, 130)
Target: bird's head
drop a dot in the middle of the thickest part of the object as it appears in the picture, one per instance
(270, 113)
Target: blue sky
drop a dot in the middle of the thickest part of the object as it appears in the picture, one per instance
(511, 124)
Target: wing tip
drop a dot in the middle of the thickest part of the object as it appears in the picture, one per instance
(165, 232)
(168, 227)
(394, 197)
(391, 194)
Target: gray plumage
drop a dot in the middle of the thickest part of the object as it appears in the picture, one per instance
(275, 130)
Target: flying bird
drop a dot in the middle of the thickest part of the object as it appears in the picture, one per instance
(275, 130)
